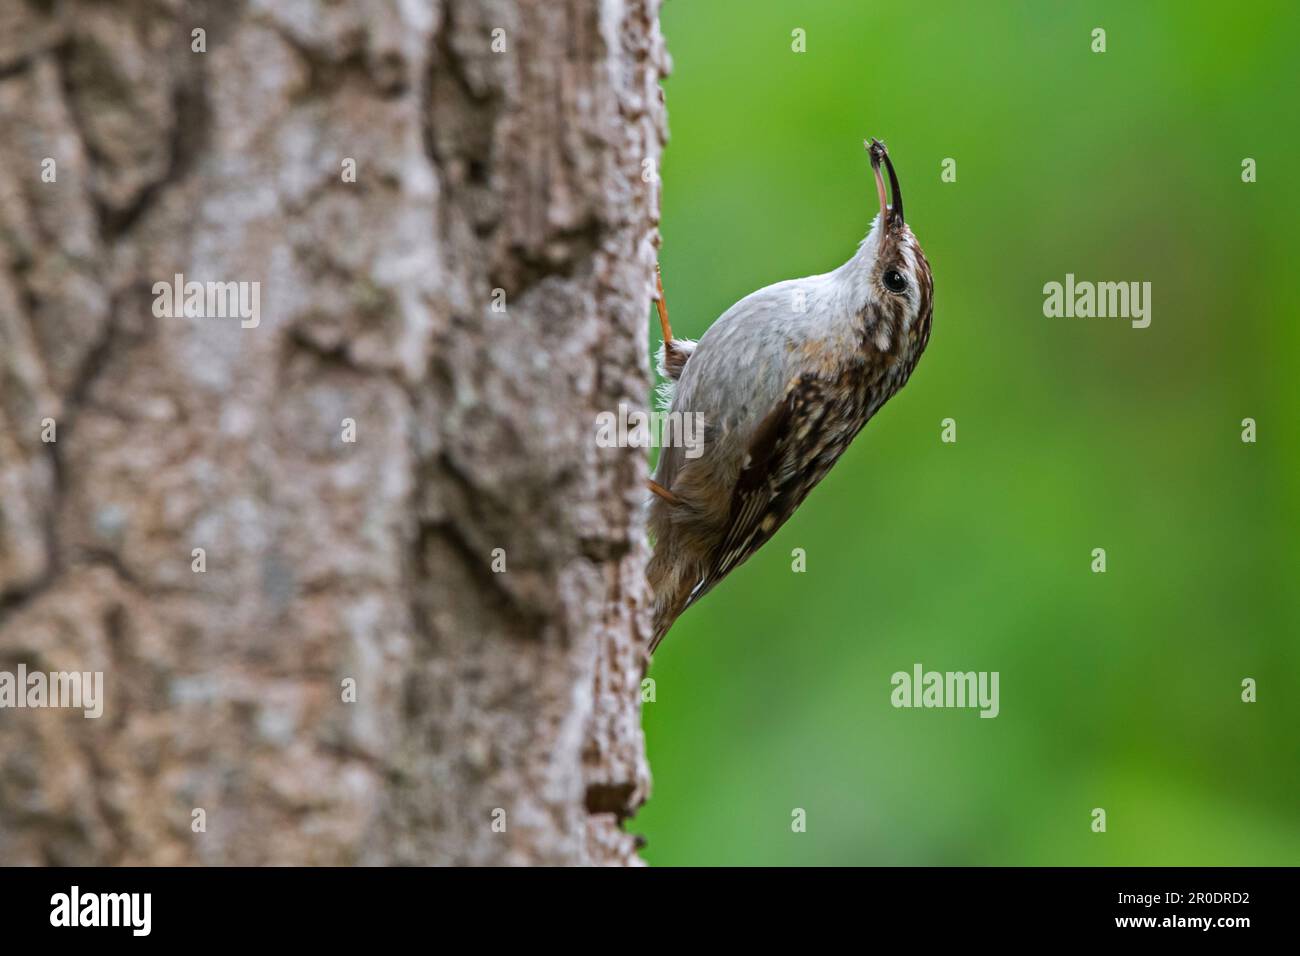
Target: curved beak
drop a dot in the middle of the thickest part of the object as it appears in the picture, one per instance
(891, 216)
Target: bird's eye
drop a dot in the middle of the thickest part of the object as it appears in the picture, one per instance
(894, 281)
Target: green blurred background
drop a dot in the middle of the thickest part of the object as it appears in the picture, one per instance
(1119, 690)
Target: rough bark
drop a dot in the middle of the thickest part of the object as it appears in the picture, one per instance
(477, 171)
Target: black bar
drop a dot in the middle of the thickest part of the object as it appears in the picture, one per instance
(334, 905)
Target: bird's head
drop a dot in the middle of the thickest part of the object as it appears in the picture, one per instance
(899, 287)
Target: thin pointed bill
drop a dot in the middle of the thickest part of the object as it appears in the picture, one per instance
(891, 216)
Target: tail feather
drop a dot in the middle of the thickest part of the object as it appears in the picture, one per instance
(686, 598)
(672, 596)
(665, 615)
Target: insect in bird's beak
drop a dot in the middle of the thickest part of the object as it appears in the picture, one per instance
(890, 217)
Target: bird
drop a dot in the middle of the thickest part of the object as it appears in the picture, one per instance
(783, 381)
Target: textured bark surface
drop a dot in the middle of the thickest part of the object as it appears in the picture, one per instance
(476, 171)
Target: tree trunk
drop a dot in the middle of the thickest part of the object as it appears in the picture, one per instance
(470, 567)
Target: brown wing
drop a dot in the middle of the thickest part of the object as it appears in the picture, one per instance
(787, 456)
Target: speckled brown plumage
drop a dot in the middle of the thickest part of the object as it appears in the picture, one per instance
(783, 391)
